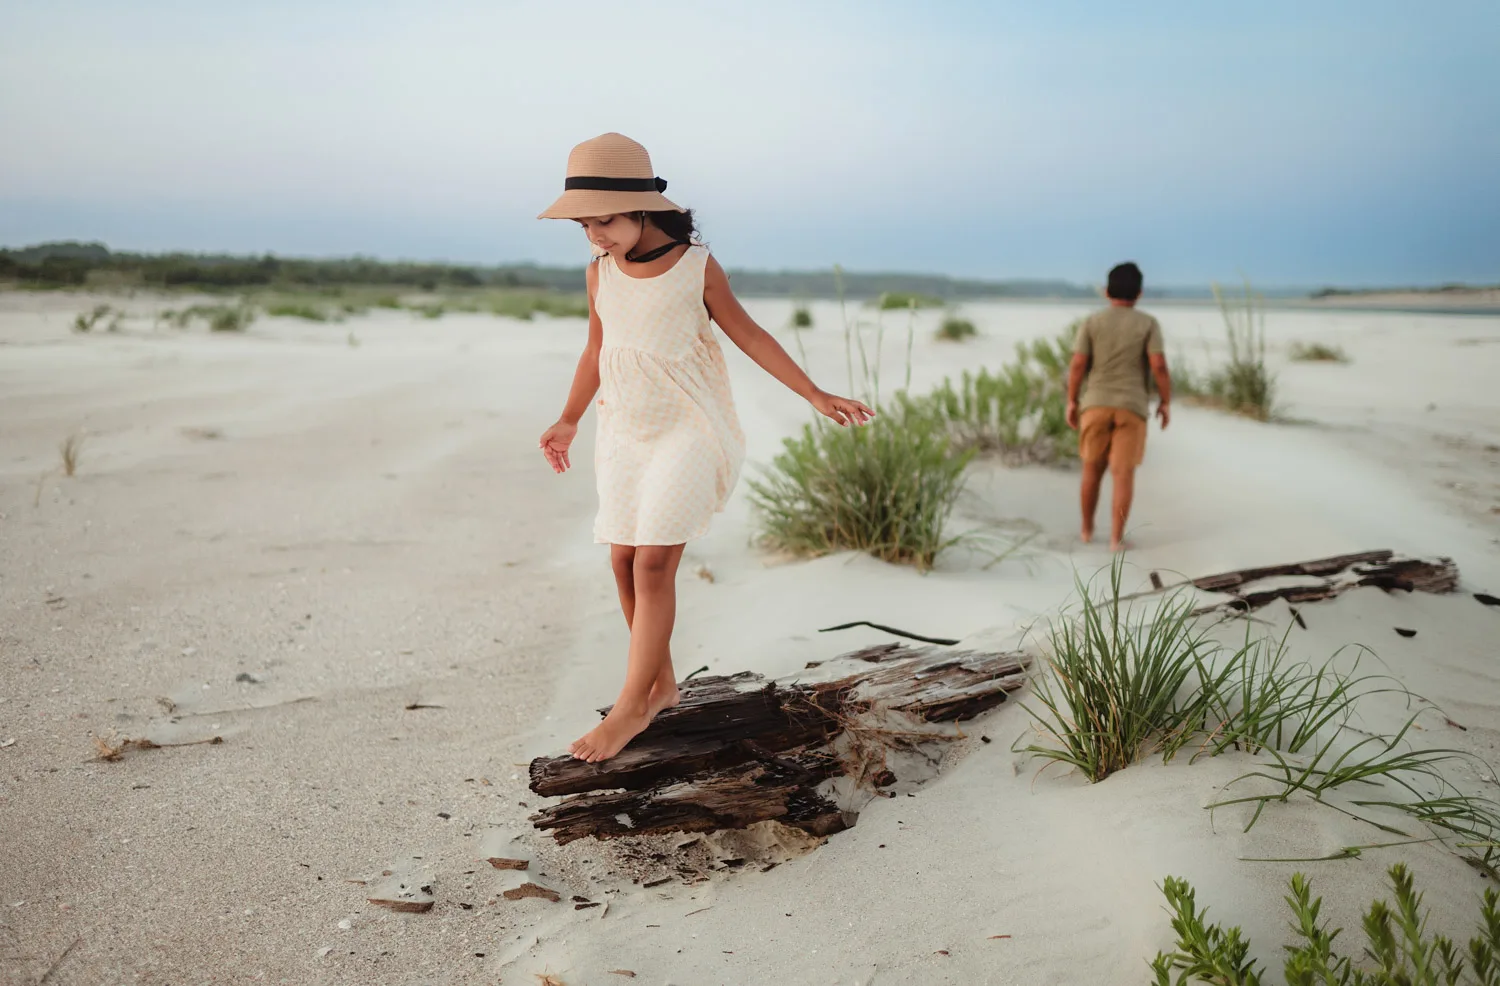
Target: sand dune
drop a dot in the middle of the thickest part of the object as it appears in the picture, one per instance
(285, 540)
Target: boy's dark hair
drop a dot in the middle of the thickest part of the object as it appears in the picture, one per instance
(680, 226)
(1124, 282)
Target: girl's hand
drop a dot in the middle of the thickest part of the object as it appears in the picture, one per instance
(841, 409)
(554, 445)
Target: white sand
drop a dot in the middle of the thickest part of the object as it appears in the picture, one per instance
(372, 528)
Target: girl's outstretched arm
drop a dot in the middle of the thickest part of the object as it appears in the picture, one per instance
(556, 439)
(725, 309)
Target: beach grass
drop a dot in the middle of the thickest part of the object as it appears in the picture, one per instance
(85, 322)
(802, 317)
(1125, 681)
(302, 310)
(886, 488)
(894, 300)
(1317, 352)
(1018, 411)
(1243, 384)
(955, 329)
(1399, 948)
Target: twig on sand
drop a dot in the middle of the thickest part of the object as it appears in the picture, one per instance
(47, 976)
(108, 752)
(696, 673)
(945, 641)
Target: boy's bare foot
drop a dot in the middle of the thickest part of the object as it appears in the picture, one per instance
(1086, 535)
(612, 735)
(1120, 544)
(661, 699)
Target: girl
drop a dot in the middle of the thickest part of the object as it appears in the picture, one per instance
(669, 446)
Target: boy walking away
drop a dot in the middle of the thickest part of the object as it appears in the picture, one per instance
(1115, 356)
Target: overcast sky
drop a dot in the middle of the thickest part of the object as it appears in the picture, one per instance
(1302, 143)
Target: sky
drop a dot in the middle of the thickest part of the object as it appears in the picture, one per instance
(1349, 142)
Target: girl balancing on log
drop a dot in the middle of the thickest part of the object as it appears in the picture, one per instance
(669, 446)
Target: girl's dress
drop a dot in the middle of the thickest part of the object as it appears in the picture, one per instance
(669, 445)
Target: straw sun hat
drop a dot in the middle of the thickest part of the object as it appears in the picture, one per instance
(609, 175)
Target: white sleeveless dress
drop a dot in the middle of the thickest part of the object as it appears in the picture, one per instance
(669, 446)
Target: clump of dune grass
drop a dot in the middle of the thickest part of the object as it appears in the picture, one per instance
(1125, 681)
(1243, 385)
(1317, 352)
(229, 318)
(298, 309)
(802, 317)
(70, 451)
(1398, 946)
(886, 488)
(894, 300)
(955, 329)
(387, 301)
(1018, 411)
(86, 322)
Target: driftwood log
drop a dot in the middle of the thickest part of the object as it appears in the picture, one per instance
(1323, 578)
(743, 749)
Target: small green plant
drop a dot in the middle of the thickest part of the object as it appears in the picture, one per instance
(802, 317)
(436, 310)
(86, 322)
(955, 329)
(388, 301)
(892, 300)
(1318, 352)
(1399, 950)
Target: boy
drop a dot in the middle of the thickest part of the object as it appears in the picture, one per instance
(1116, 353)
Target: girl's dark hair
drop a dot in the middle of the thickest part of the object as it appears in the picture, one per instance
(680, 226)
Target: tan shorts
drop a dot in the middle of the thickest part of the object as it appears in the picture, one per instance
(1112, 434)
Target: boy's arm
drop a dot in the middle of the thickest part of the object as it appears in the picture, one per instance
(1163, 387)
(1156, 356)
(1078, 368)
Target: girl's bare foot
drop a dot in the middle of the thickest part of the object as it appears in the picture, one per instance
(1120, 544)
(661, 698)
(612, 735)
(1086, 535)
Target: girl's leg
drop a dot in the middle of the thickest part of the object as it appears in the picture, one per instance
(664, 692)
(655, 610)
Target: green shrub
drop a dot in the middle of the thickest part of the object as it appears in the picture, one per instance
(906, 299)
(1318, 352)
(955, 329)
(802, 317)
(1399, 951)
(229, 318)
(388, 301)
(1019, 411)
(86, 323)
(886, 488)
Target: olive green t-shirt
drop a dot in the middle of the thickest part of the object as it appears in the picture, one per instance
(1117, 342)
